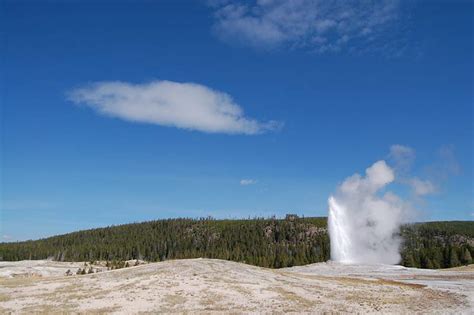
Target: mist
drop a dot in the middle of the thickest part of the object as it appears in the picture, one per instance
(364, 218)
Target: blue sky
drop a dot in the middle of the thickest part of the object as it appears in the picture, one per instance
(135, 110)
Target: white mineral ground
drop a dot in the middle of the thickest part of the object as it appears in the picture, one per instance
(218, 286)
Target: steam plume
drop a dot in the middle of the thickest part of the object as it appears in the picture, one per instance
(365, 217)
(363, 223)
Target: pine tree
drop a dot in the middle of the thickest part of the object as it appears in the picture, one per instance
(428, 264)
(454, 260)
(408, 260)
(466, 257)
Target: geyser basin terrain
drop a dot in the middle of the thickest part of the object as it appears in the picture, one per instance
(208, 285)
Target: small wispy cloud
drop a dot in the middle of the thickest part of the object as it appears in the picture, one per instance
(402, 158)
(421, 187)
(182, 105)
(321, 26)
(21, 205)
(248, 181)
(447, 163)
(402, 153)
(6, 237)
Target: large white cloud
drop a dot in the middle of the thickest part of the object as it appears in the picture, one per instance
(323, 26)
(182, 105)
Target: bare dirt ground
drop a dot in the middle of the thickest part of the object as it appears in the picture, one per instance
(217, 286)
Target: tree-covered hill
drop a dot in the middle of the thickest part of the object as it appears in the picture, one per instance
(269, 242)
(438, 244)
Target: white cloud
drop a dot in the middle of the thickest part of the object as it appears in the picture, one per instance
(447, 164)
(402, 152)
(422, 187)
(20, 205)
(402, 157)
(183, 105)
(248, 181)
(323, 26)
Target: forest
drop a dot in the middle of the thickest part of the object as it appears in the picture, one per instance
(265, 242)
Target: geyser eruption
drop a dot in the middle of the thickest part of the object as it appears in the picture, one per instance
(364, 221)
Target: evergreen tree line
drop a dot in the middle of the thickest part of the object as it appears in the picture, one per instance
(266, 242)
(436, 245)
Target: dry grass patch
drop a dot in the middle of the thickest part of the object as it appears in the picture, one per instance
(211, 301)
(241, 290)
(173, 300)
(359, 281)
(104, 310)
(468, 268)
(294, 298)
(4, 297)
(400, 284)
(16, 282)
(48, 309)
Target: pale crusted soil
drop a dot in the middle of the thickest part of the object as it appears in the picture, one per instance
(217, 286)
